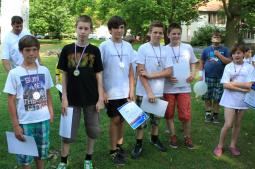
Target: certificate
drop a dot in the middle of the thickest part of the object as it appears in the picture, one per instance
(133, 114)
(249, 99)
(158, 108)
(27, 147)
(181, 71)
(66, 123)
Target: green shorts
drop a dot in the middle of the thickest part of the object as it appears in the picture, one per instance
(40, 132)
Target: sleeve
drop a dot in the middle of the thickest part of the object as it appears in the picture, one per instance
(204, 55)
(98, 65)
(253, 58)
(102, 52)
(141, 56)
(226, 52)
(193, 58)
(49, 82)
(62, 62)
(251, 74)
(226, 75)
(10, 84)
(5, 50)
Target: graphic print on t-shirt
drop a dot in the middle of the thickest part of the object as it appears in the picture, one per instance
(87, 60)
(32, 84)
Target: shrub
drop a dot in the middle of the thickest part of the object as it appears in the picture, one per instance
(202, 37)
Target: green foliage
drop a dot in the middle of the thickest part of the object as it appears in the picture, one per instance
(202, 37)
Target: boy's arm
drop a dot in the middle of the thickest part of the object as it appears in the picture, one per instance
(100, 102)
(64, 93)
(14, 118)
(224, 59)
(131, 83)
(164, 73)
(146, 84)
(192, 72)
(243, 85)
(50, 107)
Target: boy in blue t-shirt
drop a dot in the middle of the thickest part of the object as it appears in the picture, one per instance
(213, 61)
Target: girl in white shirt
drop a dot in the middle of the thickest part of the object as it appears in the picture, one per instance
(237, 80)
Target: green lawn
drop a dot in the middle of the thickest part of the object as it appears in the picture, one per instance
(205, 137)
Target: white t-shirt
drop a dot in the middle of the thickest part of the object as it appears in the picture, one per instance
(117, 59)
(248, 60)
(24, 83)
(154, 61)
(10, 50)
(182, 56)
(236, 73)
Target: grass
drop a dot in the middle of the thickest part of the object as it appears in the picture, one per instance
(205, 137)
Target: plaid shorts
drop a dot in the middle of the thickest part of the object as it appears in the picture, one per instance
(40, 132)
(215, 89)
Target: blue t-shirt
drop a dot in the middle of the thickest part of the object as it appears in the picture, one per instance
(213, 66)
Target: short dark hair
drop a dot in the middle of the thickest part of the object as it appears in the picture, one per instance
(84, 18)
(28, 41)
(236, 47)
(216, 33)
(174, 26)
(115, 22)
(16, 20)
(156, 24)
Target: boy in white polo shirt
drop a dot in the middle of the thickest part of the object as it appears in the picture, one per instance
(118, 81)
(153, 67)
(177, 89)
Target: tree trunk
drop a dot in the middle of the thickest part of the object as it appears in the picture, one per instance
(232, 31)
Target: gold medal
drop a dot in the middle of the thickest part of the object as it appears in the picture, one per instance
(76, 72)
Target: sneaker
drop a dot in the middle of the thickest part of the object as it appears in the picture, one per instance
(118, 159)
(215, 119)
(122, 151)
(173, 141)
(234, 151)
(88, 164)
(208, 117)
(188, 143)
(218, 151)
(137, 151)
(62, 165)
(158, 145)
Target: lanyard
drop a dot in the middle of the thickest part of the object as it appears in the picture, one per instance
(158, 58)
(78, 64)
(177, 58)
(121, 51)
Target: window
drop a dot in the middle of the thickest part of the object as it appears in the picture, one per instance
(214, 18)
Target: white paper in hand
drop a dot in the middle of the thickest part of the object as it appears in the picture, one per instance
(66, 124)
(181, 72)
(27, 147)
(158, 108)
(59, 87)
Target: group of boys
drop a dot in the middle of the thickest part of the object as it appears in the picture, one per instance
(158, 77)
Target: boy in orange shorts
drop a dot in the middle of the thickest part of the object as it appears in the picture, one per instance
(177, 88)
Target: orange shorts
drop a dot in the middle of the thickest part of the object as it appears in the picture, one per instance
(183, 106)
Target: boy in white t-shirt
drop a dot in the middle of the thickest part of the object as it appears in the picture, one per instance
(118, 82)
(153, 67)
(29, 101)
(177, 88)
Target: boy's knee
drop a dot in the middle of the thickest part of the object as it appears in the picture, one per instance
(93, 131)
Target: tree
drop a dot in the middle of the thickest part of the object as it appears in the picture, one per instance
(237, 12)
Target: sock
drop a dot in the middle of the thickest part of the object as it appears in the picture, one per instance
(154, 138)
(139, 141)
(64, 159)
(113, 151)
(88, 157)
(215, 114)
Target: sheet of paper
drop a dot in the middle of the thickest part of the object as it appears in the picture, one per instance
(66, 124)
(181, 71)
(59, 87)
(27, 147)
(250, 99)
(133, 114)
(158, 108)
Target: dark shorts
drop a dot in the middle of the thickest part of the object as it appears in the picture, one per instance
(215, 89)
(113, 105)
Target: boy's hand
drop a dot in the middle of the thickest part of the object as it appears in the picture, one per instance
(19, 133)
(99, 105)
(64, 106)
(173, 80)
(145, 74)
(131, 96)
(217, 53)
(190, 79)
(51, 117)
(105, 98)
(151, 98)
